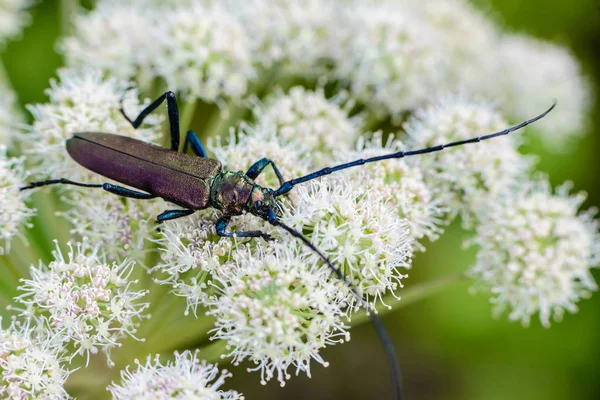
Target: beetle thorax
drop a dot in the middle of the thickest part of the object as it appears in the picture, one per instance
(230, 192)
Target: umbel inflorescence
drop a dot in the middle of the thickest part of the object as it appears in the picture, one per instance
(308, 84)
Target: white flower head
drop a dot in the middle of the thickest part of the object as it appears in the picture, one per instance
(203, 52)
(30, 367)
(396, 62)
(184, 378)
(251, 145)
(309, 122)
(467, 176)
(121, 226)
(536, 252)
(278, 310)
(467, 34)
(12, 201)
(191, 253)
(10, 118)
(360, 232)
(118, 37)
(529, 75)
(14, 16)
(88, 303)
(297, 34)
(82, 101)
(401, 184)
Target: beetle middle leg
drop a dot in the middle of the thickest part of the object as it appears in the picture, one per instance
(172, 111)
(222, 223)
(257, 168)
(173, 214)
(191, 139)
(109, 187)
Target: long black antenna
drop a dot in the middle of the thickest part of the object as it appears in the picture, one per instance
(287, 186)
(384, 337)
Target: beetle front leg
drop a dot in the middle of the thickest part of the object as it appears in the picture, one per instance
(257, 168)
(222, 223)
(172, 110)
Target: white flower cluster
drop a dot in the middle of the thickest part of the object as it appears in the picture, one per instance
(86, 302)
(82, 101)
(277, 309)
(251, 145)
(467, 177)
(309, 122)
(192, 253)
(117, 36)
(184, 378)
(395, 63)
(30, 367)
(12, 202)
(122, 227)
(204, 53)
(257, 293)
(296, 34)
(531, 73)
(406, 54)
(198, 48)
(358, 230)
(536, 252)
(14, 17)
(401, 184)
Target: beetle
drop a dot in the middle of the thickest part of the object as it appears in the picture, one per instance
(196, 182)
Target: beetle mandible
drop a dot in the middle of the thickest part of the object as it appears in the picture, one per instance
(198, 182)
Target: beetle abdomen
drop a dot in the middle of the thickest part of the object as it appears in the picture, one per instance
(179, 178)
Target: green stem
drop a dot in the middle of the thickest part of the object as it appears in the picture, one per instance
(68, 9)
(410, 296)
(187, 113)
(213, 352)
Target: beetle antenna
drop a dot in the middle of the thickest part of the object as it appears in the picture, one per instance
(384, 337)
(287, 186)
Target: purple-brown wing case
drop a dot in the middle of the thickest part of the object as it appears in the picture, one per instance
(176, 177)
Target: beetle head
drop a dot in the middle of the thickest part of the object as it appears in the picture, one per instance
(263, 204)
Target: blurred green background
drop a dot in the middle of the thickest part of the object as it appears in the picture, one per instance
(450, 346)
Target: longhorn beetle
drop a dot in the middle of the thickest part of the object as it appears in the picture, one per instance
(198, 182)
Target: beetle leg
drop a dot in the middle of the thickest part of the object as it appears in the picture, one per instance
(173, 214)
(172, 110)
(222, 223)
(192, 139)
(257, 168)
(109, 187)
(125, 192)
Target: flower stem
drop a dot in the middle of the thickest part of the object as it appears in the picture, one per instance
(409, 296)
(187, 114)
